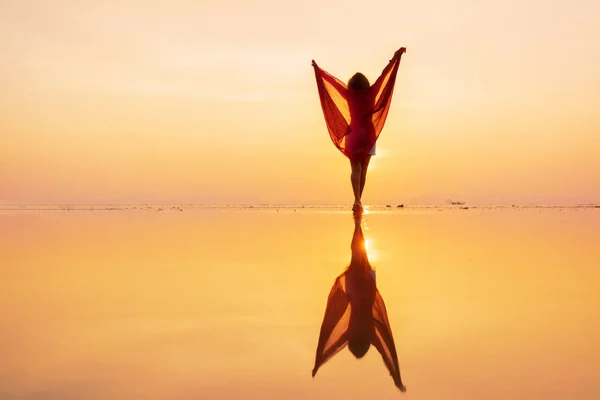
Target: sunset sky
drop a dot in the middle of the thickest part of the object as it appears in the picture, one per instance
(179, 101)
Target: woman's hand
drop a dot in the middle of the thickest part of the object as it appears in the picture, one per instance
(400, 51)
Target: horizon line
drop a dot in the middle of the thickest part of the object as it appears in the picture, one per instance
(298, 204)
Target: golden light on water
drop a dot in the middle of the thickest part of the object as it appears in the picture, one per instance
(372, 253)
(113, 296)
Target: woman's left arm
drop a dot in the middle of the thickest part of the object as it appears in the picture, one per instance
(341, 88)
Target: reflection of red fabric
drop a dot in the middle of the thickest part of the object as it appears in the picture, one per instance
(337, 330)
(356, 312)
(355, 118)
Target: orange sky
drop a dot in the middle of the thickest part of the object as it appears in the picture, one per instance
(215, 102)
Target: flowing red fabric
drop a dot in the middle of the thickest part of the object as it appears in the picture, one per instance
(335, 333)
(353, 297)
(346, 109)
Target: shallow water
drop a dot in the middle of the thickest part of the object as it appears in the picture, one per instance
(179, 302)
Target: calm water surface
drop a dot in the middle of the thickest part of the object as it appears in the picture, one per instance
(226, 303)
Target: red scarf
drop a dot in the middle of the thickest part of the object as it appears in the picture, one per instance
(334, 97)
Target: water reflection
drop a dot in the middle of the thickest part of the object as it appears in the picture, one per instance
(356, 315)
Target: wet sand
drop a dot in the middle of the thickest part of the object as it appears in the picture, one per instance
(176, 302)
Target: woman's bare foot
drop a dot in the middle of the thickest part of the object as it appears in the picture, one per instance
(357, 207)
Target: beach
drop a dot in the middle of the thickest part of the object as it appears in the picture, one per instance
(225, 302)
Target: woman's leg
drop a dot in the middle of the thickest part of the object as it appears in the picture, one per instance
(363, 174)
(355, 179)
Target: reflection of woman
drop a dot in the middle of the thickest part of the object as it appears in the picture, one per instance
(356, 315)
(355, 115)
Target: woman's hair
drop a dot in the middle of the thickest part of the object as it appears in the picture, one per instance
(359, 346)
(358, 82)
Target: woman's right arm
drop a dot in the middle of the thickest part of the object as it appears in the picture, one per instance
(376, 87)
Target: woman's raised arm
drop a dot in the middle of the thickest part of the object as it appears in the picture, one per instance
(332, 80)
(376, 87)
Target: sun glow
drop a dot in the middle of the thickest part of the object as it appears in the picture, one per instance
(372, 253)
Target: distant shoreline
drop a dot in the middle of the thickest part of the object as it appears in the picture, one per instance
(166, 207)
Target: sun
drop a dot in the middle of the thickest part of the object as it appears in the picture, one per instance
(372, 253)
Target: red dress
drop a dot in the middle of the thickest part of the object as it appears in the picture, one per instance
(355, 118)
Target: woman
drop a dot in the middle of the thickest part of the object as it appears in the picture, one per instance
(355, 115)
(356, 316)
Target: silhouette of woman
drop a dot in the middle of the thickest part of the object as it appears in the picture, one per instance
(356, 315)
(355, 115)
